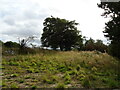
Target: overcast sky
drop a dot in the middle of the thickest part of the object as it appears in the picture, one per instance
(23, 18)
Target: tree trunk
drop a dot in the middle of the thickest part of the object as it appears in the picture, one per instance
(61, 47)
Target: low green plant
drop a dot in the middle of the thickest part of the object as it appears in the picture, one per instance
(67, 82)
(30, 70)
(61, 85)
(92, 77)
(33, 86)
(81, 77)
(78, 67)
(27, 77)
(21, 81)
(67, 76)
(3, 83)
(94, 69)
(13, 63)
(14, 85)
(62, 68)
(14, 75)
(86, 83)
(73, 72)
(51, 80)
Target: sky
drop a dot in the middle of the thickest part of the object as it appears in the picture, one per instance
(23, 18)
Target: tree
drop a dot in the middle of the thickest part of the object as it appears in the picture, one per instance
(90, 45)
(10, 44)
(112, 28)
(23, 49)
(99, 46)
(59, 33)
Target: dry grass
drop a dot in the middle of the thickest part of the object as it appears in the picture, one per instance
(60, 69)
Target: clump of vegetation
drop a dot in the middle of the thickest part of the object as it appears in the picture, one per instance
(34, 87)
(14, 75)
(60, 85)
(86, 83)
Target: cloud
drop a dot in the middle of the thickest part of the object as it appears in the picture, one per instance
(22, 18)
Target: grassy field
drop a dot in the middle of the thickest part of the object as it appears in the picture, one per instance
(56, 69)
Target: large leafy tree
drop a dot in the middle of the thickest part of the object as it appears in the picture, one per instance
(60, 33)
(112, 28)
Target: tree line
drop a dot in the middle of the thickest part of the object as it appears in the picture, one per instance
(64, 35)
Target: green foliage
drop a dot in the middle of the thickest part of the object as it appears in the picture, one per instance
(114, 49)
(91, 45)
(60, 33)
(81, 77)
(49, 79)
(14, 85)
(86, 83)
(30, 70)
(112, 28)
(92, 77)
(34, 87)
(14, 75)
(78, 67)
(21, 81)
(61, 85)
(27, 77)
(94, 69)
(13, 63)
(10, 44)
(67, 76)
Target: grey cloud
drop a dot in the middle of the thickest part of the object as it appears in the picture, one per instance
(22, 30)
(20, 19)
(9, 21)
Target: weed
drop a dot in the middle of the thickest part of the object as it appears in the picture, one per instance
(14, 75)
(60, 85)
(21, 81)
(94, 69)
(12, 63)
(67, 77)
(81, 77)
(51, 80)
(113, 84)
(62, 68)
(67, 82)
(34, 87)
(78, 67)
(14, 85)
(27, 77)
(86, 83)
(30, 70)
(92, 77)
(3, 83)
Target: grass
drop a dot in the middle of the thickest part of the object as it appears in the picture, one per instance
(56, 69)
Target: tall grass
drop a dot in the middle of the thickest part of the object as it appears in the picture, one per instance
(61, 69)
